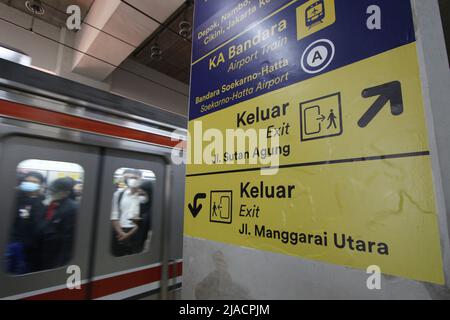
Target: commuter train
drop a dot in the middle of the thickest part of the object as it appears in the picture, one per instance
(62, 128)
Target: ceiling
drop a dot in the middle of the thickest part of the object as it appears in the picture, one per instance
(176, 50)
(55, 10)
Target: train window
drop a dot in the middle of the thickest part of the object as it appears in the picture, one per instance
(46, 205)
(131, 214)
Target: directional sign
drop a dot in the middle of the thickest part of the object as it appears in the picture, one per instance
(345, 176)
(388, 92)
(195, 208)
(340, 91)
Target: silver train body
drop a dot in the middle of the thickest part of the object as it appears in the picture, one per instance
(48, 118)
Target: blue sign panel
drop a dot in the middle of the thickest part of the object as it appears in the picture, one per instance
(296, 41)
(217, 21)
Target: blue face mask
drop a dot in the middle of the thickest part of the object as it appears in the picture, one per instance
(29, 186)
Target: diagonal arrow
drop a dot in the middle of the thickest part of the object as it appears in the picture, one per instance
(388, 92)
(195, 208)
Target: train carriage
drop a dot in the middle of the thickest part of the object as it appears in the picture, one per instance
(46, 119)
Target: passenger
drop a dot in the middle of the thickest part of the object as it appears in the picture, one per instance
(56, 227)
(78, 190)
(21, 252)
(145, 213)
(125, 214)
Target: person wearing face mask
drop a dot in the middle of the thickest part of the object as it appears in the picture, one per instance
(21, 252)
(125, 215)
(56, 226)
(77, 190)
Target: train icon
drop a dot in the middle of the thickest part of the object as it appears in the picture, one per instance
(315, 14)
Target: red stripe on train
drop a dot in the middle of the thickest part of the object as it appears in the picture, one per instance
(131, 280)
(53, 118)
(115, 284)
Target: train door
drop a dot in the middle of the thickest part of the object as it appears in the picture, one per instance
(45, 249)
(129, 266)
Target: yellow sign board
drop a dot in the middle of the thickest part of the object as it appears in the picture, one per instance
(345, 176)
(322, 213)
(340, 91)
(317, 205)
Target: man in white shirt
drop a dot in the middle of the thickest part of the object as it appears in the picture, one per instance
(125, 214)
